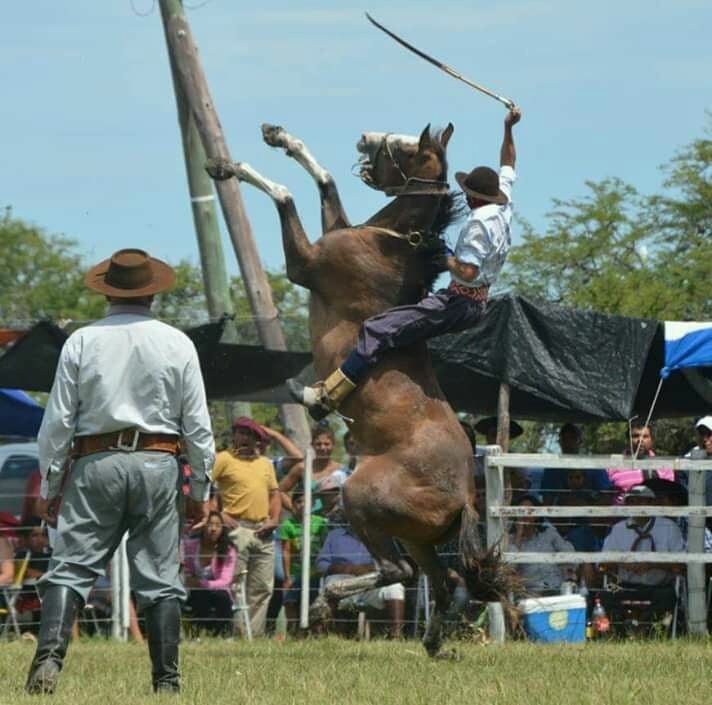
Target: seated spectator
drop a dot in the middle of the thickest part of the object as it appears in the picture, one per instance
(344, 556)
(557, 482)
(36, 543)
(623, 479)
(534, 534)
(703, 451)
(209, 564)
(643, 581)
(7, 566)
(290, 534)
(579, 531)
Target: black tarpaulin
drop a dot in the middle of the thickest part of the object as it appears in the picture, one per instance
(230, 371)
(560, 363)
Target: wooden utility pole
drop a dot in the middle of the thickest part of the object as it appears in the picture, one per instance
(189, 73)
(202, 200)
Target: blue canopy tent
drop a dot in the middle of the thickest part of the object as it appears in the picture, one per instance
(20, 415)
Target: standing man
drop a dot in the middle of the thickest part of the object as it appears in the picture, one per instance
(251, 505)
(127, 389)
(479, 255)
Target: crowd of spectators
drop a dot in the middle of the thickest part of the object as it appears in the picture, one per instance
(254, 534)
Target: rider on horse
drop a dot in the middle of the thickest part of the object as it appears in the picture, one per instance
(479, 255)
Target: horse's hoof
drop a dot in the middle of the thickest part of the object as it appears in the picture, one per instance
(447, 655)
(319, 611)
(219, 168)
(273, 135)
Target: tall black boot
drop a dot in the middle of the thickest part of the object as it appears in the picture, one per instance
(163, 628)
(60, 605)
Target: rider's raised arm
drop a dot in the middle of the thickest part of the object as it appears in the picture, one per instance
(508, 154)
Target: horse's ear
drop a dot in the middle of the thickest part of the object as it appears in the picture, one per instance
(447, 134)
(424, 137)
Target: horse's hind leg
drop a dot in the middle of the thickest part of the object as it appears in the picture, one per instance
(426, 557)
(298, 251)
(333, 216)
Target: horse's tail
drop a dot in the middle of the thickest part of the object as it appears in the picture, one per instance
(487, 577)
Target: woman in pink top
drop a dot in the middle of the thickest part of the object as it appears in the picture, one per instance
(623, 479)
(208, 565)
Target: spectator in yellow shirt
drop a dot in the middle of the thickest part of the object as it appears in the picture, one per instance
(251, 504)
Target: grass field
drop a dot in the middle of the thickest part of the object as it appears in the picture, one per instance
(340, 672)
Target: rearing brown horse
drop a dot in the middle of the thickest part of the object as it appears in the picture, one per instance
(414, 479)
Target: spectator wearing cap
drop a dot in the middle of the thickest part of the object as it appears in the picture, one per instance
(556, 483)
(251, 505)
(703, 451)
(623, 479)
(644, 581)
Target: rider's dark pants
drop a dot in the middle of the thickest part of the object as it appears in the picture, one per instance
(442, 312)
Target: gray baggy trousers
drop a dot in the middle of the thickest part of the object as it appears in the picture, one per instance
(105, 496)
(438, 313)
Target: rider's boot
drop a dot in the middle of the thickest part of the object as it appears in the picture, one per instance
(60, 605)
(324, 397)
(163, 630)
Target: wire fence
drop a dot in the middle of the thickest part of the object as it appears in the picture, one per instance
(558, 536)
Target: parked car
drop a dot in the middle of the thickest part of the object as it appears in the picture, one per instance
(18, 461)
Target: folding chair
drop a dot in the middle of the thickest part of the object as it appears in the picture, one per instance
(10, 595)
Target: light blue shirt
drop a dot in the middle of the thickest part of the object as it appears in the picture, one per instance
(486, 237)
(127, 370)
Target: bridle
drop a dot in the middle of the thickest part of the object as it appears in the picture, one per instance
(412, 185)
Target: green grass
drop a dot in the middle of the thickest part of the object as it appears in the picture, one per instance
(340, 672)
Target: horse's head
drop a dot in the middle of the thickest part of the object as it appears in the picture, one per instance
(399, 164)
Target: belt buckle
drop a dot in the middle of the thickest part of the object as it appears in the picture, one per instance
(128, 447)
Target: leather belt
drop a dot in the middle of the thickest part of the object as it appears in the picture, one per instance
(475, 293)
(127, 440)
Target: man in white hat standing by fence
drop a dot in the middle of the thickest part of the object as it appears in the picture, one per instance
(127, 390)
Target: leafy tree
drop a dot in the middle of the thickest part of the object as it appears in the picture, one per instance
(616, 251)
(41, 276)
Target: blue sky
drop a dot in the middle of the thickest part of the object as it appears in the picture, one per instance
(91, 145)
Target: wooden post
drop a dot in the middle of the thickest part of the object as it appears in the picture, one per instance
(696, 583)
(503, 420)
(195, 87)
(494, 489)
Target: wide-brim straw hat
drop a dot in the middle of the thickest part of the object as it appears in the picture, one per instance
(482, 182)
(130, 273)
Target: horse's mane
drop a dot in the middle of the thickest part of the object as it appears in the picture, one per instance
(434, 248)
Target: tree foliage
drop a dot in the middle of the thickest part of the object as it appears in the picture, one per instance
(617, 251)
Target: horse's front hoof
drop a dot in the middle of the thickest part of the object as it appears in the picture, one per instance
(219, 168)
(273, 135)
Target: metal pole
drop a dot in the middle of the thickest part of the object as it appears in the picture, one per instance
(116, 596)
(125, 589)
(191, 76)
(306, 538)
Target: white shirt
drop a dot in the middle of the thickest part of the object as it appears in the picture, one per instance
(666, 536)
(486, 237)
(127, 370)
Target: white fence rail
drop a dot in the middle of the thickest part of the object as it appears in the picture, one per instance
(696, 511)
